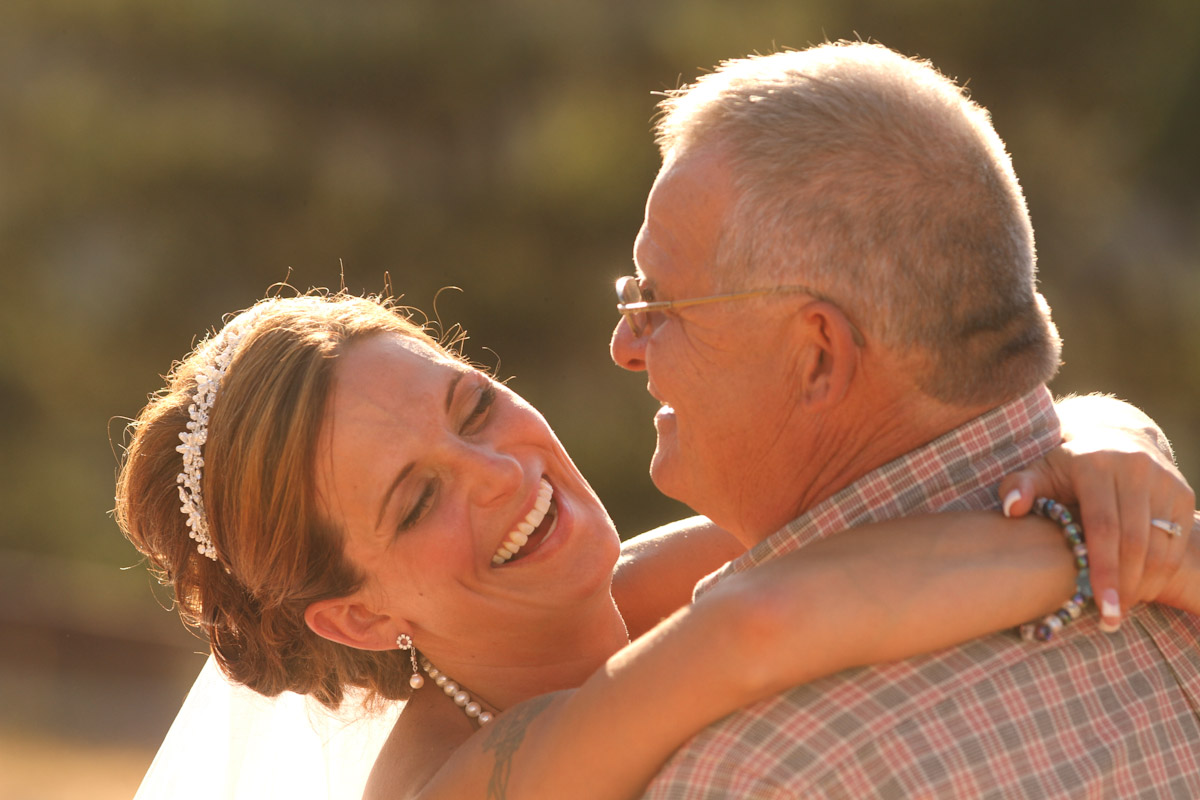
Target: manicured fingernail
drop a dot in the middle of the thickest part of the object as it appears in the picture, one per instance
(1009, 499)
(1110, 611)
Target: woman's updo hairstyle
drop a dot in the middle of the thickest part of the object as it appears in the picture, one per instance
(275, 552)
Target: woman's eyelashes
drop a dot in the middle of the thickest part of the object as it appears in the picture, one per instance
(473, 422)
(418, 510)
(486, 397)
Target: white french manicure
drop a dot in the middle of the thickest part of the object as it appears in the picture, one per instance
(1110, 611)
(1009, 499)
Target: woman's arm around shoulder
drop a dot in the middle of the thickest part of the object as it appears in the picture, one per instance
(873, 594)
(659, 568)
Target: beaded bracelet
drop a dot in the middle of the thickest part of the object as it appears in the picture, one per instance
(1071, 610)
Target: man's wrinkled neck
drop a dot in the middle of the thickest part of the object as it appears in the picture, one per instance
(874, 426)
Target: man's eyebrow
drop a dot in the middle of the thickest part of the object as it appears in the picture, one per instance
(387, 496)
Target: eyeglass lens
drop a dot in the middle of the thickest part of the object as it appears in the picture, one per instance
(628, 291)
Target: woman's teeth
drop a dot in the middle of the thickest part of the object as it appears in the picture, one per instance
(517, 537)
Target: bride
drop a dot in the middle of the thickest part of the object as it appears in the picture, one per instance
(351, 514)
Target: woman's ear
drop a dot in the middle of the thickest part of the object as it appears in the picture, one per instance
(348, 621)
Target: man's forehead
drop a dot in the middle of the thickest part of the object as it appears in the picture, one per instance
(684, 215)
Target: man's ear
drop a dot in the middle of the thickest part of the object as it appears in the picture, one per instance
(833, 358)
(347, 620)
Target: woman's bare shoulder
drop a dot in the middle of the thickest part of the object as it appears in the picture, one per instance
(421, 741)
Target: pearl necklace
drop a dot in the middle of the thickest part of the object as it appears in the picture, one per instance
(473, 709)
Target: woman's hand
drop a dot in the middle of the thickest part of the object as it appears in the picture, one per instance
(1121, 476)
(1183, 591)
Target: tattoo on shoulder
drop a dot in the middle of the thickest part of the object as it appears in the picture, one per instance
(504, 737)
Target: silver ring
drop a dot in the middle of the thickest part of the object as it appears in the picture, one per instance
(1172, 528)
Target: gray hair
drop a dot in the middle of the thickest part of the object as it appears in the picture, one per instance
(875, 179)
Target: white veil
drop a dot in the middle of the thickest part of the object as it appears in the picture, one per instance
(230, 742)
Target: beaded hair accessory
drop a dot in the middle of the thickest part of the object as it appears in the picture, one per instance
(208, 380)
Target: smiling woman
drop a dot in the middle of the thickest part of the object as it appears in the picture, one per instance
(441, 483)
(358, 480)
(274, 553)
(352, 492)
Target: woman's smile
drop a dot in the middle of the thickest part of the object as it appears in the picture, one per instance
(530, 532)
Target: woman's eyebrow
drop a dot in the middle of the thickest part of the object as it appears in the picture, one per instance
(458, 376)
(387, 496)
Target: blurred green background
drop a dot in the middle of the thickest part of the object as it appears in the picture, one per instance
(164, 163)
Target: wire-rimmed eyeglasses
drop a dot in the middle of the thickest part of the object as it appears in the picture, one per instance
(635, 308)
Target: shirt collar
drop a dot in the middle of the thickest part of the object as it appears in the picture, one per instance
(956, 471)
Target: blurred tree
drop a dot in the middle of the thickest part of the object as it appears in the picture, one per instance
(162, 165)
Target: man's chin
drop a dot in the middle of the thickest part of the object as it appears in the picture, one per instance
(666, 474)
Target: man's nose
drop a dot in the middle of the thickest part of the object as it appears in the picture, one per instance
(627, 350)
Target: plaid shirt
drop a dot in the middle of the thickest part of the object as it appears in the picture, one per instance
(1086, 715)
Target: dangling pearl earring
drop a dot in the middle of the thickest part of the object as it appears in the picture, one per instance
(405, 642)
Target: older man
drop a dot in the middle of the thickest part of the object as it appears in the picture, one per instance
(835, 305)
